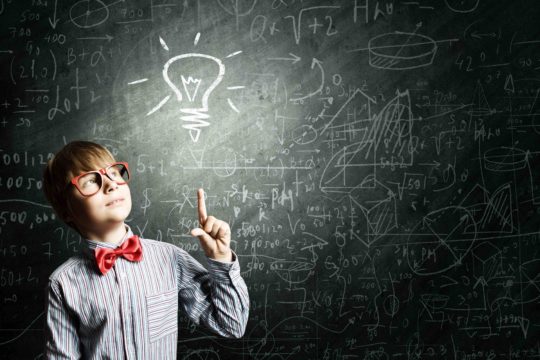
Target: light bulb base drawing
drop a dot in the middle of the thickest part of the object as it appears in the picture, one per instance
(193, 121)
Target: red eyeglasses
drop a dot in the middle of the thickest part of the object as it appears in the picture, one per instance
(91, 182)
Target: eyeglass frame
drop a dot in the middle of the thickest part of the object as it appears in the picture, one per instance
(101, 172)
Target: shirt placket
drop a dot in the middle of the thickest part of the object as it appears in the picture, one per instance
(125, 308)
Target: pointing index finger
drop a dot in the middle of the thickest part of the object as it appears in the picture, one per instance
(201, 206)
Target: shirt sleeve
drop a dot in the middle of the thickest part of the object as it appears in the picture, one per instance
(217, 297)
(61, 339)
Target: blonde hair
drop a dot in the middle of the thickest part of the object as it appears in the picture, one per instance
(74, 158)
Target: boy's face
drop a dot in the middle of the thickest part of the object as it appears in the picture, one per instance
(100, 212)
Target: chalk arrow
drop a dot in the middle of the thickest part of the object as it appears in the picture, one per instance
(54, 20)
(318, 63)
(293, 58)
(475, 34)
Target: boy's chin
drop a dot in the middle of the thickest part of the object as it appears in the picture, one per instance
(119, 217)
(119, 211)
(112, 223)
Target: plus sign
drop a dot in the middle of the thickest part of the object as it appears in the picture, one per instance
(5, 104)
(151, 168)
(4, 122)
(315, 25)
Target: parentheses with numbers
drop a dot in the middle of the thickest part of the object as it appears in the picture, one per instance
(54, 64)
(11, 70)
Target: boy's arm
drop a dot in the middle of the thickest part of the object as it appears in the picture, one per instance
(62, 341)
(217, 297)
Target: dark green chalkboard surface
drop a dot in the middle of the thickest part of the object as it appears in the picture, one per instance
(377, 160)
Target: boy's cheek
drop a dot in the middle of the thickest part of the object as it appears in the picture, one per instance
(128, 195)
(128, 201)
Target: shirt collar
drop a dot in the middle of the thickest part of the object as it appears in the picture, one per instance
(89, 247)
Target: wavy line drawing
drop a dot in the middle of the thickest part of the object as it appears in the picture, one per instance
(23, 331)
(201, 354)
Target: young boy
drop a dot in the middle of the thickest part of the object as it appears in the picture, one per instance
(119, 298)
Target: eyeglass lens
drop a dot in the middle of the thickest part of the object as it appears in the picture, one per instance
(92, 182)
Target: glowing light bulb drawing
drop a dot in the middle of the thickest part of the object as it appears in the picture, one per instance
(195, 116)
(194, 101)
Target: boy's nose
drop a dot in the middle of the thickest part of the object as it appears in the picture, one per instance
(108, 184)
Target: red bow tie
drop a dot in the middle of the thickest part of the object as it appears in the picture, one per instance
(130, 249)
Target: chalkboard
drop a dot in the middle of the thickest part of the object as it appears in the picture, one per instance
(377, 161)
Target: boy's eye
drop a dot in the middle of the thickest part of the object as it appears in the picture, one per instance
(114, 173)
(88, 180)
(88, 183)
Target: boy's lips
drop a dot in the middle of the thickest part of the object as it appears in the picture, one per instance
(115, 201)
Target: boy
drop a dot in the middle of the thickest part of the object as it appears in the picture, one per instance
(119, 298)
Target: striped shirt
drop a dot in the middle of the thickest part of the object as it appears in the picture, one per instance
(131, 312)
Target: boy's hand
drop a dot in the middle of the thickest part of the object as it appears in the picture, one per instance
(214, 234)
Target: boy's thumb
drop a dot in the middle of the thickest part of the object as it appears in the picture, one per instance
(201, 234)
